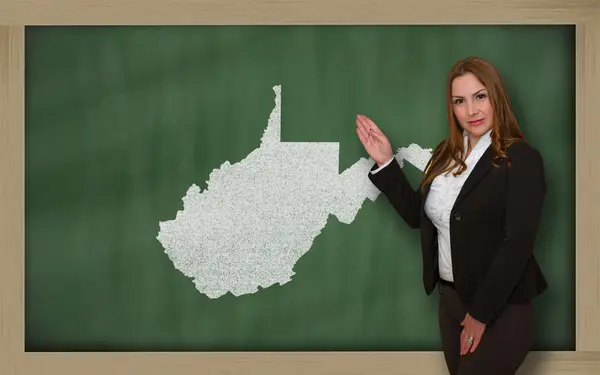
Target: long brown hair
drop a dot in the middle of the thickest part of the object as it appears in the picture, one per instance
(505, 129)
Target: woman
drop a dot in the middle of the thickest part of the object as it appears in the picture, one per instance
(478, 209)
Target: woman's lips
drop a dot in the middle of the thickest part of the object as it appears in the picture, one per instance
(476, 122)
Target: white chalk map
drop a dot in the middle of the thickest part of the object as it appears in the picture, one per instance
(259, 216)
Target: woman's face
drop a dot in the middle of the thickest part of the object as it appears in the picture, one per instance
(472, 106)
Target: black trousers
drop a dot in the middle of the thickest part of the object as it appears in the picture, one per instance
(503, 347)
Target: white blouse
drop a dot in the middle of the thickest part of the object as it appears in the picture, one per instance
(441, 198)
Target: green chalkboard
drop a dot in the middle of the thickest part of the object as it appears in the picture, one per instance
(121, 121)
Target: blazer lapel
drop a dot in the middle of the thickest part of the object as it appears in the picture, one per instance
(483, 166)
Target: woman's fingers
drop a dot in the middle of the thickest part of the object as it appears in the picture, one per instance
(365, 133)
(360, 122)
(375, 131)
(465, 344)
(364, 128)
(363, 122)
(476, 341)
(375, 142)
(361, 131)
(469, 346)
(364, 138)
(473, 329)
(373, 126)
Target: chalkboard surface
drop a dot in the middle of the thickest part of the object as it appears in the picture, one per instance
(121, 121)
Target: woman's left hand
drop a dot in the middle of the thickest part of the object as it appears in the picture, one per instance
(472, 328)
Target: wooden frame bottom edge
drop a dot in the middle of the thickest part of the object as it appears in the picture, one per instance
(536, 363)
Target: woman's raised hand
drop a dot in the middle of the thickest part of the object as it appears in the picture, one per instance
(374, 141)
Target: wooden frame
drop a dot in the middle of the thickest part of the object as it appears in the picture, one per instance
(14, 14)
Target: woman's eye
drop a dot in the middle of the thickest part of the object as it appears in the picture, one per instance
(481, 96)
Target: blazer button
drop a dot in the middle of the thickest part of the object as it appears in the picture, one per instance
(457, 216)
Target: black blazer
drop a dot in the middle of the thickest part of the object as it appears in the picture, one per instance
(493, 226)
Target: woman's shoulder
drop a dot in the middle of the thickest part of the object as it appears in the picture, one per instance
(522, 149)
(524, 153)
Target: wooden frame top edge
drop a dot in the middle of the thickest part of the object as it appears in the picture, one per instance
(298, 12)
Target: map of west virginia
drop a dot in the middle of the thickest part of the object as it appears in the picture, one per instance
(259, 216)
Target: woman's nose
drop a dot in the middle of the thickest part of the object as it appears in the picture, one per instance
(471, 109)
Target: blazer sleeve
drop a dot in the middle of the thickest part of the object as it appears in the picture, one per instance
(526, 190)
(392, 182)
